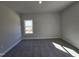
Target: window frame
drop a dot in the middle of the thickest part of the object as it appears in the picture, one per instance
(28, 26)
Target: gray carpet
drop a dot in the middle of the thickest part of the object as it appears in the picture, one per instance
(36, 48)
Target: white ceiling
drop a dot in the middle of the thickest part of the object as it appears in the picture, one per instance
(35, 7)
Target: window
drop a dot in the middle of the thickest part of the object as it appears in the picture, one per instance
(28, 26)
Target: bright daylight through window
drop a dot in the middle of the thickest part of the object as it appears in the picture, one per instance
(28, 26)
(66, 49)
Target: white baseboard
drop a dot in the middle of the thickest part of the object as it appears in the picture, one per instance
(1, 54)
(40, 37)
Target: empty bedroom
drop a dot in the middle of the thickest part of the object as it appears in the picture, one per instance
(39, 28)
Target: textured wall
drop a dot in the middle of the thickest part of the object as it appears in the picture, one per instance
(9, 28)
(45, 25)
(70, 25)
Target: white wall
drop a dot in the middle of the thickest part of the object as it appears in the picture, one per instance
(70, 25)
(45, 25)
(9, 29)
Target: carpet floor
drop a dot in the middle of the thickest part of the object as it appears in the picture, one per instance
(36, 48)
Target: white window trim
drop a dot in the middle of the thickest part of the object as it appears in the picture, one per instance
(32, 27)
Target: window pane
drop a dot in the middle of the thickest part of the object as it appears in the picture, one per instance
(28, 26)
(28, 22)
(28, 29)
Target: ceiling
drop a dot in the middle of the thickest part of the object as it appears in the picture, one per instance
(35, 7)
